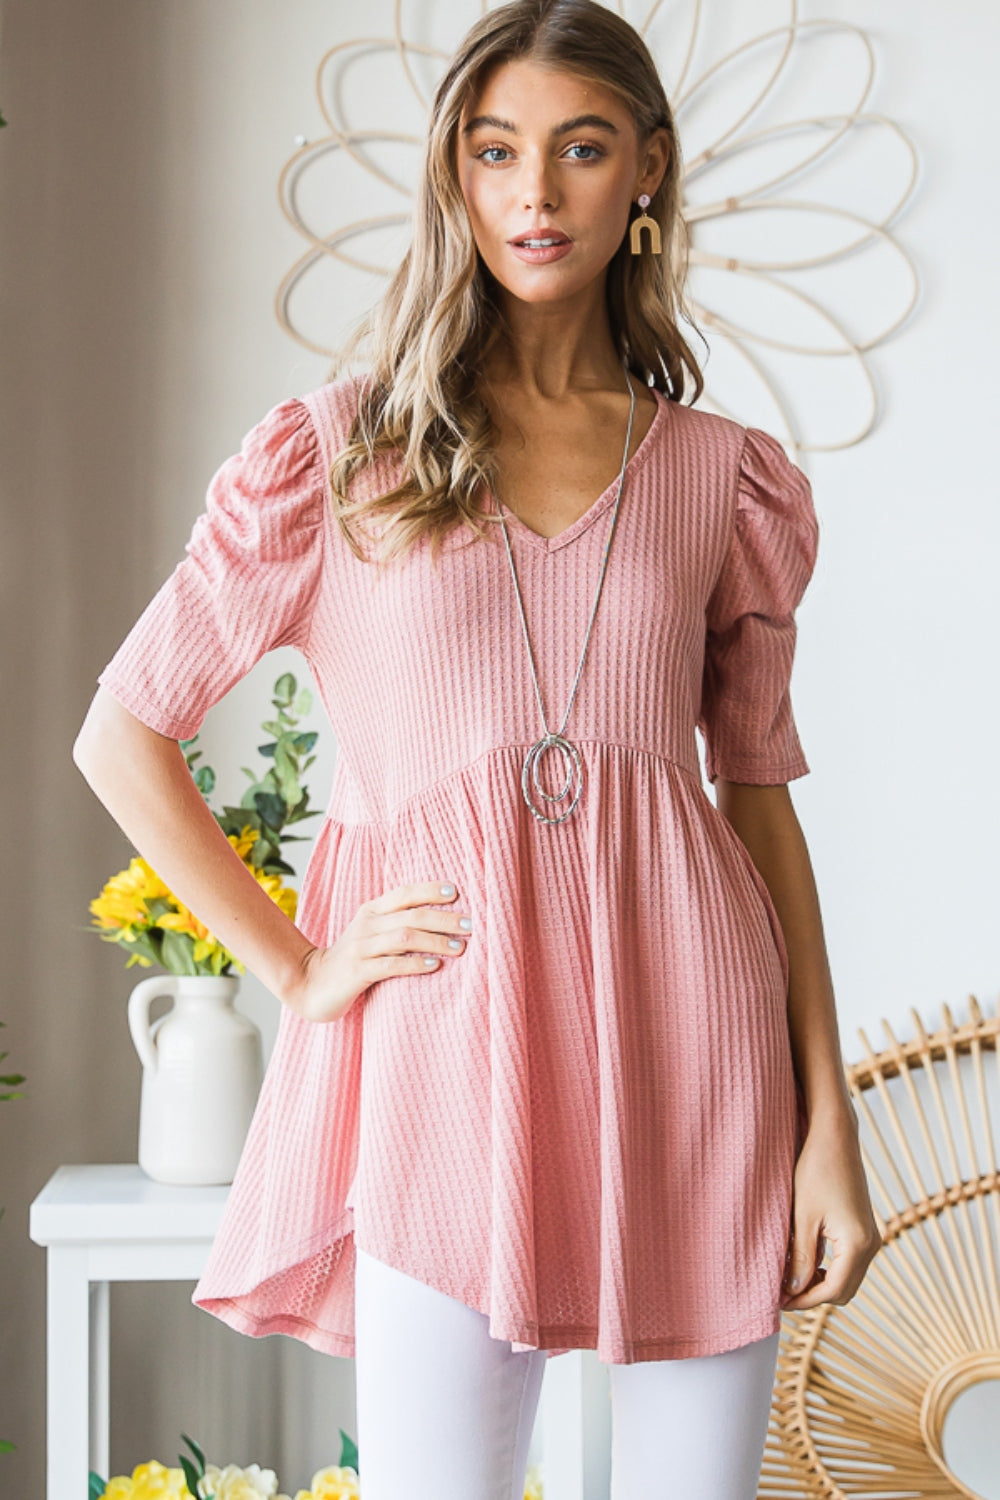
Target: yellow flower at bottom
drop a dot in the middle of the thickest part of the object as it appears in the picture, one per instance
(150, 1481)
(335, 1483)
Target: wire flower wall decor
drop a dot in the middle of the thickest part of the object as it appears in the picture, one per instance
(795, 274)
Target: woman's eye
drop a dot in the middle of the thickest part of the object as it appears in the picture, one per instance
(586, 146)
(486, 153)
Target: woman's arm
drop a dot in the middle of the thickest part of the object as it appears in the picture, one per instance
(831, 1199)
(144, 781)
(764, 819)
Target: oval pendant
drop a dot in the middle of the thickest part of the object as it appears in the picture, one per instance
(574, 775)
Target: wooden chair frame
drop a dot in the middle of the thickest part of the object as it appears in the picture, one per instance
(862, 1391)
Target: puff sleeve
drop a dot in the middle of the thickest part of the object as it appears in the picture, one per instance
(246, 585)
(746, 713)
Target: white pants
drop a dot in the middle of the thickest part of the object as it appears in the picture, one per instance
(444, 1409)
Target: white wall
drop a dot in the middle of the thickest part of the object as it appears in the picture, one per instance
(895, 680)
(142, 244)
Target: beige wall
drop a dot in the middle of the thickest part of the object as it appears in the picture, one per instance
(141, 245)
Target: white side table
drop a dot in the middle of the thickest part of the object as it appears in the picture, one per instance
(110, 1222)
(103, 1223)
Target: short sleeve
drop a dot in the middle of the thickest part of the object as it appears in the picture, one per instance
(246, 585)
(746, 712)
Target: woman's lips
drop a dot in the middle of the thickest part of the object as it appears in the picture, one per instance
(541, 254)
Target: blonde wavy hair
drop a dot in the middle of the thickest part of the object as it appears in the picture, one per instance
(431, 331)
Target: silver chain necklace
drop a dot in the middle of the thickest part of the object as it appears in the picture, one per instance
(555, 741)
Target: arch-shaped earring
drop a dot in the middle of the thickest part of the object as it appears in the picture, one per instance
(645, 222)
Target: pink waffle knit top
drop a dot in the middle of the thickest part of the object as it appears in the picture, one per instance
(585, 1126)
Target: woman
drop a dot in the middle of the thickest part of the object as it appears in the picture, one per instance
(558, 1063)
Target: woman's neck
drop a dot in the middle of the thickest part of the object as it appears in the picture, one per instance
(553, 349)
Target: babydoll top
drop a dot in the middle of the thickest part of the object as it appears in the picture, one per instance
(585, 1125)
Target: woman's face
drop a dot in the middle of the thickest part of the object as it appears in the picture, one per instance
(546, 154)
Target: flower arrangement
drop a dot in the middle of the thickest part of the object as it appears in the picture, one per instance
(153, 1481)
(137, 910)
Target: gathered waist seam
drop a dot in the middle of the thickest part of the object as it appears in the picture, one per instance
(331, 816)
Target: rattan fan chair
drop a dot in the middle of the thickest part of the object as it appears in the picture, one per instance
(861, 1391)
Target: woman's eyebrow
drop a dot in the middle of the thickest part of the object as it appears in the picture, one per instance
(493, 122)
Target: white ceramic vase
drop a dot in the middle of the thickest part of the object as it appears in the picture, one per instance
(202, 1068)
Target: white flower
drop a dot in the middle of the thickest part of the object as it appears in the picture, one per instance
(234, 1483)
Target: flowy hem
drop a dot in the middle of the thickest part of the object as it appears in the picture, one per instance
(523, 1336)
(241, 1320)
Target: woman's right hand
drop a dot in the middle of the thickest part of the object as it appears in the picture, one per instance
(377, 944)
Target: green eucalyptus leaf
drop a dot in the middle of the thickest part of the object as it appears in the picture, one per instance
(204, 780)
(271, 809)
(146, 945)
(287, 780)
(178, 953)
(237, 816)
(191, 1474)
(196, 1450)
(302, 811)
(348, 1452)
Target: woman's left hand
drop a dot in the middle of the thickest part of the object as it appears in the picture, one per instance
(831, 1203)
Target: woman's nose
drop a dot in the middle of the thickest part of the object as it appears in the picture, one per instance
(537, 190)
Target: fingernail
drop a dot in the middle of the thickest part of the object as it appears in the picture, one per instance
(795, 1283)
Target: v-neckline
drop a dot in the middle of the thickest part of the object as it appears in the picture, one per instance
(604, 499)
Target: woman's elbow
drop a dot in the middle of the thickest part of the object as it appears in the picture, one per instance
(108, 730)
